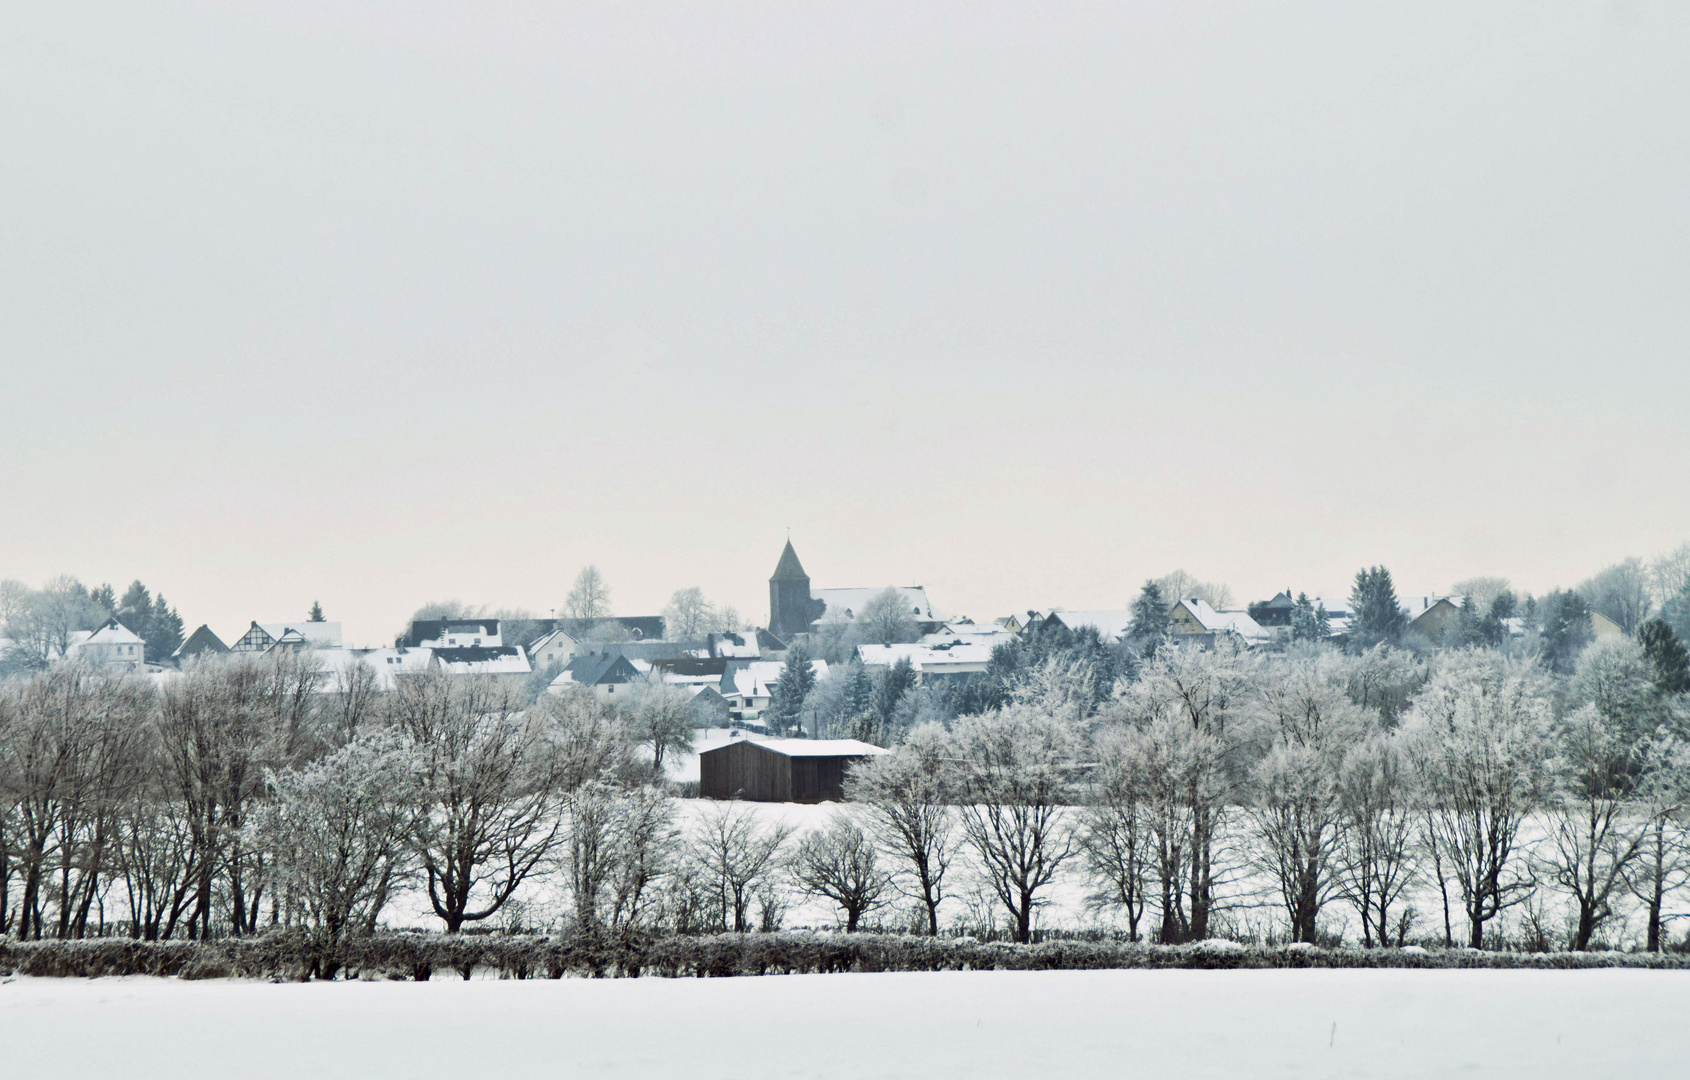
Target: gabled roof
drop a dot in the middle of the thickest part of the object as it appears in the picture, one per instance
(922, 657)
(789, 568)
(1109, 624)
(113, 633)
(200, 641)
(811, 747)
(1416, 606)
(324, 635)
(1236, 622)
(599, 669)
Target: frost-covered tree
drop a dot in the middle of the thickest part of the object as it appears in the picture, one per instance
(1623, 592)
(1566, 631)
(490, 781)
(792, 690)
(887, 619)
(659, 716)
(334, 831)
(688, 614)
(621, 842)
(1593, 835)
(1014, 775)
(1309, 621)
(1114, 837)
(589, 597)
(1376, 858)
(906, 801)
(1295, 807)
(1481, 733)
(1192, 719)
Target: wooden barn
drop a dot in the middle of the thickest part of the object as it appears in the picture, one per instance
(781, 770)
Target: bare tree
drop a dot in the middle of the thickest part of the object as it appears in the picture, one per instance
(887, 619)
(220, 726)
(589, 597)
(660, 716)
(1593, 835)
(905, 798)
(1015, 775)
(1376, 864)
(1623, 592)
(1193, 716)
(488, 789)
(1295, 809)
(1180, 585)
(1662, 800)
(1481, 592)
(838, 862)
(1115, 837)
(1669, 575)
(736, 852)
(688, 614)
(1480, 731)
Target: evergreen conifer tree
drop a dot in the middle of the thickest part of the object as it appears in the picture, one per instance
(1375, 615)
(316, 611)
(1150, 619)
(1566, 631)
(1667, 654)
(797, 679)
(1309, 621)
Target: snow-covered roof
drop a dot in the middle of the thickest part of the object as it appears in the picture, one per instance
(1416, 606)
(323, 635)
(849, 603)
(925, 656)
(113, 633)
(1109, 624)
(816, 747)
(757, 679)
(484, 660)
(1237, 622)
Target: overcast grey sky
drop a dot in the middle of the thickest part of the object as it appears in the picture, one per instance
(376, 303)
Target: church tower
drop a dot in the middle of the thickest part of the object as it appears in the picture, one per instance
(789, 597)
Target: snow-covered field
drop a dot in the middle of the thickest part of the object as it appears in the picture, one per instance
(1024, 1025)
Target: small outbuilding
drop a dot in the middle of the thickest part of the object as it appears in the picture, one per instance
(781, 770)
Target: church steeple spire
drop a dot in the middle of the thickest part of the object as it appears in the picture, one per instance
(789, 568)
(789, 597)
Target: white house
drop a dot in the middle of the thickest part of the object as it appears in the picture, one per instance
(111, 646)
(955, 658)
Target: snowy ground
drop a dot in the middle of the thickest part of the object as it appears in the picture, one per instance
(1024, 1025)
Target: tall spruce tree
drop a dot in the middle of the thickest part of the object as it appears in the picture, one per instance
(316, 611)
(1150, 619)
(1566, 631)
(1668, 655)
(1375, 615)
(797, 679)
(1309, 621)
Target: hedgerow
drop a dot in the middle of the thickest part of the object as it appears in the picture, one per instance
(291, 955)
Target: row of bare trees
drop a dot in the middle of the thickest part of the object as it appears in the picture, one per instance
(248, 793)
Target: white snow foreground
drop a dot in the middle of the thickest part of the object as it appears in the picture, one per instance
(1021, 1025)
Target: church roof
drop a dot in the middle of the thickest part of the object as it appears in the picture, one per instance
(789, 568)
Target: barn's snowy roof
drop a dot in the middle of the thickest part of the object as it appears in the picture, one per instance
(817, 747)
